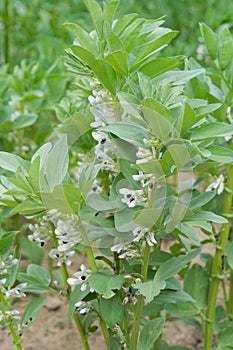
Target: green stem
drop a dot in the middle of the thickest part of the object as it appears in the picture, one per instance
(65, 276)
(16, 338)
(92, 262)
(158, 343)
(217, 265)
(140, 303)
(230, 300)
(89, 251)
(7, 32)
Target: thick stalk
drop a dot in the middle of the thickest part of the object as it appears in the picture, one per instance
(65, 276)
(217, 265)
(230, 300)
(140, 303)
(92, 262)
(15, 336)
(7, 32)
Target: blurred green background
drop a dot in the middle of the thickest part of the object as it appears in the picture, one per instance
(35, 26)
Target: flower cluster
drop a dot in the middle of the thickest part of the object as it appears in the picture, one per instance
(132, 197)
(81, 278)
(217, 185)
(7, 263)
(9, 315)
(67, 233)
(124, 249)
(65, 228)
(41, 233)
(16, 292)
(83, 307)
(101, 102)
(140, 233)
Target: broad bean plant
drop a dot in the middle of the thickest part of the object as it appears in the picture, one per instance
(136, 177)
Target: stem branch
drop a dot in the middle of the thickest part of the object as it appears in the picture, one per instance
(217, 265)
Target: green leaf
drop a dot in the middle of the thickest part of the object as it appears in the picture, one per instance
(158, 257)
(56, 164)
(32, 310)
(23, 121)
(76, 295)
(150, 289)
(104, 282)
(32, 251)
(123, 220)
(83, 37)
(96, 14)
(6, 242)
(202, 199)
(157, 107)
(196, 283)
(39, 273)
(185, 119)
(157, 120)
(11, 162)
(202, 111)
(34, 174)
(29, 206)
(161, 37)
(64, 197)
(190, 232)
(225, 51)
(225, 338)
(212, 130)
(150, 333)
(119, 60)
(220, 154)
(103, 71)
(148, 217)
(130, 132)
(112, 310)
(172, 266)
(211, 40)
(37, 278)
(158, 66)
(174, 297)
(109, 10)
(113, 42)
(207, 216)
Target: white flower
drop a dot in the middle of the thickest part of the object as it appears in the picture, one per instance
(12, 314)
(128, 254)
(130, 297)
(217, 185)
(119, 247)
(62, 257)
(141, 233)
(99, 136)
(6, 264)
(81, 278)
(2, 281)
(138, 233)
(131, 197)
(67, 234)
(40, 234)
(15, 292)
(106, 162)
(126, 250)
(144, 154)
(151, 241)
(82, 307)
